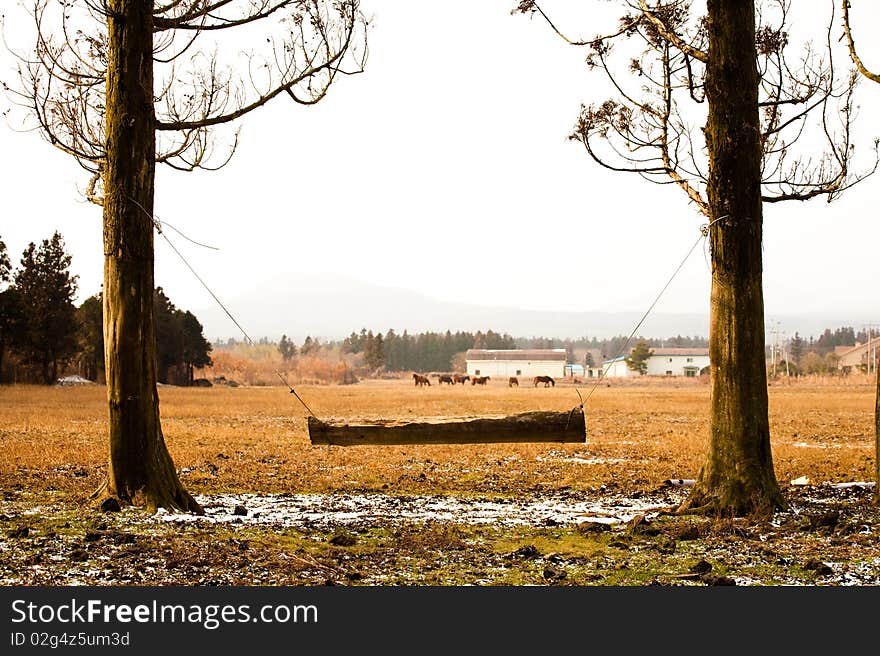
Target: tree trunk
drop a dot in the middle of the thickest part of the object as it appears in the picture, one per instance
(737, 477)
(877, 440)
(141, 470)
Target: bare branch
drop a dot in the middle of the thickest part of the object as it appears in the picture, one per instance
(656, 17)
(62, 79)
(532, 7)
(207, 20)
(208, 102)
(647, 131)
(850, 42)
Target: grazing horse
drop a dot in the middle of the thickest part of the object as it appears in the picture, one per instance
(446, 379)
(459, 378)
(547, 380)
(421, 380)
(479, 380)
(513, 381)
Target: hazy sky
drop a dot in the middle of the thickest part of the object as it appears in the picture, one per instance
(445, 169)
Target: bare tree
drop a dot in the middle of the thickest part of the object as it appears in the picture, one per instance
(874, 77)
(124, 84)
(732, 69)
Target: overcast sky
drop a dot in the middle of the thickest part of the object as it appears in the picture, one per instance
(445, 169)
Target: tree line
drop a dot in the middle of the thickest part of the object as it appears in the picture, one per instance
(444, 351)
(818, 355)
(427, 351)
(44, 335)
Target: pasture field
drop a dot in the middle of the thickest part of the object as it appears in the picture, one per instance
(254, 440)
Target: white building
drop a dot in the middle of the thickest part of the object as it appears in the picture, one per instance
(519, 362)
(663, 362)
(861, 357)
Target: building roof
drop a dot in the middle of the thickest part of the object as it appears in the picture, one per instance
(858, 353)
(554, 355)
(680, 351)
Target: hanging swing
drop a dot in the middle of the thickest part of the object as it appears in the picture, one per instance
(542, 426)
(566, 426)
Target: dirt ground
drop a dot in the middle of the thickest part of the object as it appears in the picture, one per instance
(281, 511)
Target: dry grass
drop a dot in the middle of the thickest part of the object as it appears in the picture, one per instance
(255, 439)
(261, 364)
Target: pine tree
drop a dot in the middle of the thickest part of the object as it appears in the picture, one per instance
(351, 344)
(8, 305)
(287, 348)
(308, 346)
(169, 338)
(46, 332)
(91, 337)
(181, 346)
(637, 360)
(374, 354)
(797, 348)
(5, 264)
(392, 350)
(196, 349)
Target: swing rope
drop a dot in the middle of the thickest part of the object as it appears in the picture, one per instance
(704, 233)
(158, 225)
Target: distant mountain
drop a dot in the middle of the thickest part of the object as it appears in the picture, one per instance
(331, 307)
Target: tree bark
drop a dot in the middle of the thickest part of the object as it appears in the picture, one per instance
(528, 427)
(737, 478)
(140, 470)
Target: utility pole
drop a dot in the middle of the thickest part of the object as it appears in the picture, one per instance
(870, 349)
(774, 345)
(772, 354)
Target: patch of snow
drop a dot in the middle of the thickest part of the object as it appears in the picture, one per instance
(301, 510)
(594, 460)
(73, 380)
(859, 484)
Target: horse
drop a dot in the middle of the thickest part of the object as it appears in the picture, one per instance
(459, 378)
(421, 380)
(444, 378)
(479, 380)
(513, 381)
(547, 380)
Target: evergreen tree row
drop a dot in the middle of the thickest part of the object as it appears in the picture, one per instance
(43, 334)
(432, 351)
(427, 351)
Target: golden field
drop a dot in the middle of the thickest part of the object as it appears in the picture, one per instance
(255, 438)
